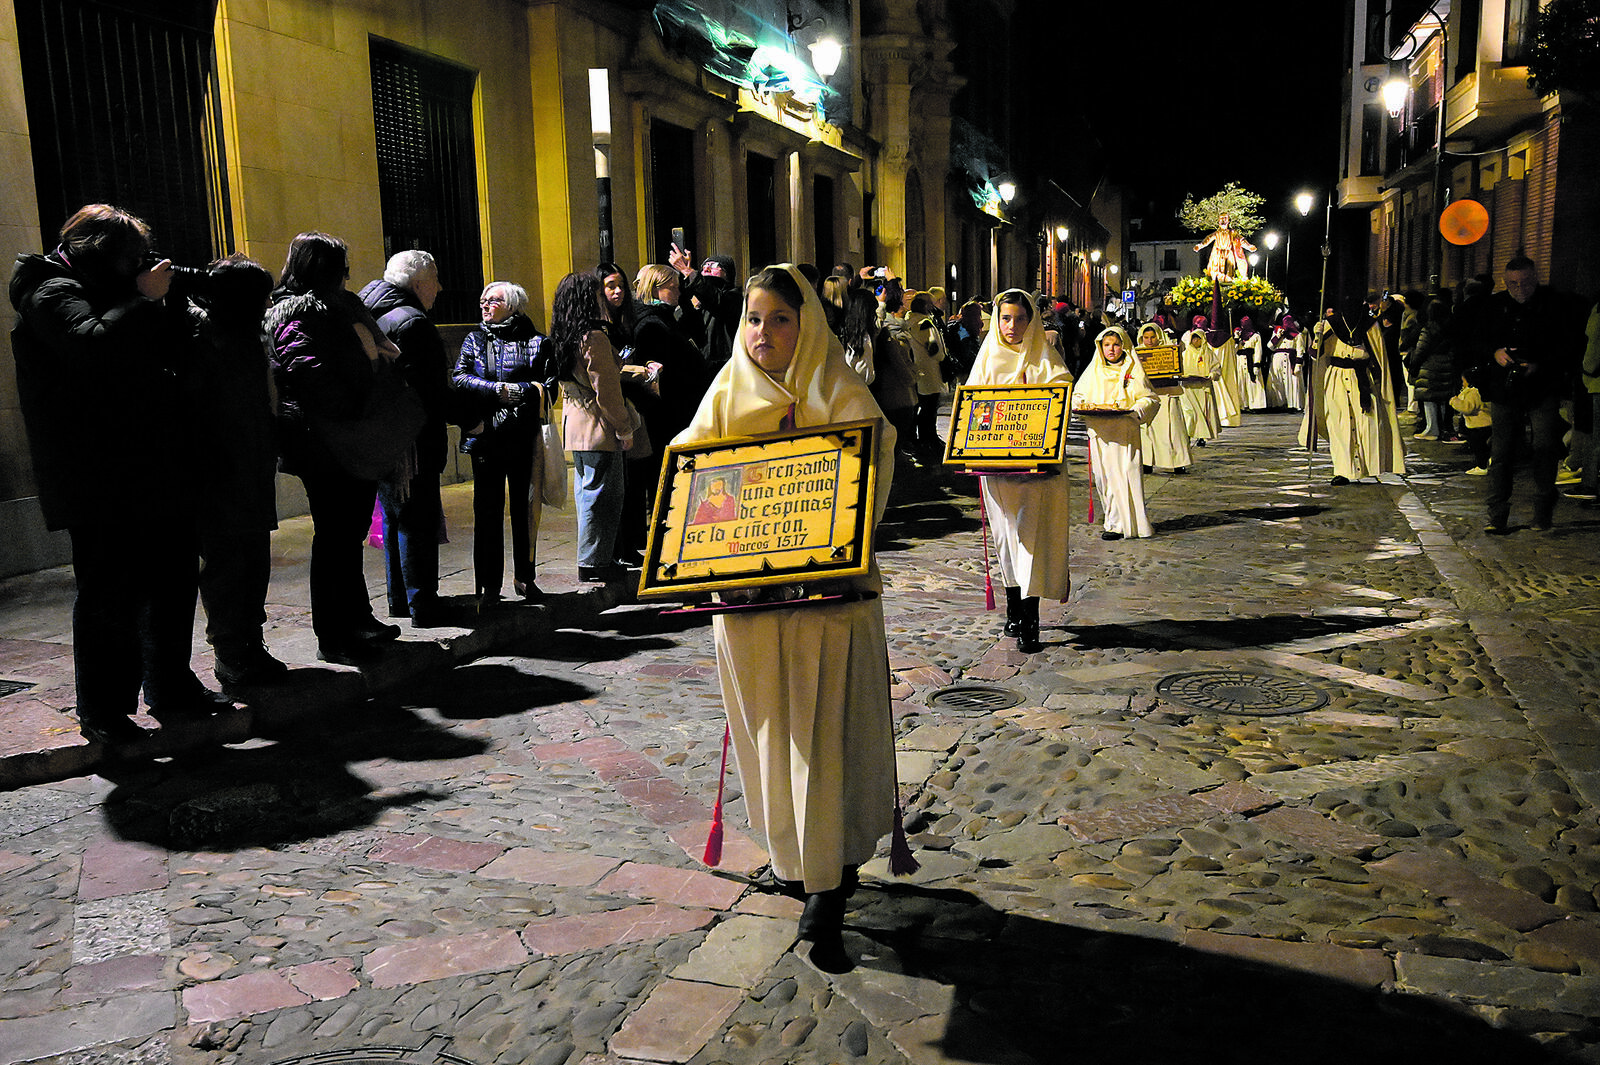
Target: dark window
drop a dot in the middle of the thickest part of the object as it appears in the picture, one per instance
(1135, 265)
(1519, 31)
(1469, 13)
(428, 170)
(1377, 47)
(762, 192)
(121, 110)
(1169, 259)
(822, 211)
(672, 187)
(1374, 125)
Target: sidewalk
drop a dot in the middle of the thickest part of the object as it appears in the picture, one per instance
(40, 740)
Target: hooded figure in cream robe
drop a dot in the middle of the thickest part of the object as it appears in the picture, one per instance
(1200, 371)
(1355, 401)
(1165, 437)
(1029, 516)
(807, 688)
(1114, 451)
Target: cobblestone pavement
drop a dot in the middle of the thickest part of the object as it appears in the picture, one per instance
(1311, 775)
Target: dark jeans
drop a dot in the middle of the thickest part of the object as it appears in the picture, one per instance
(1505, 441)
(927, 425)
(133, 618)
(236, 567)
(411, 543)
(341, 513)
(522, 474)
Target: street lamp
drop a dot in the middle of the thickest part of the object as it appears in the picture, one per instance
(1007, 191)
(1395, 94)
(1271, 241)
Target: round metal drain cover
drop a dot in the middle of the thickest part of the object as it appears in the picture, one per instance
(378, 1056)
(976, 698)
(1226, 691)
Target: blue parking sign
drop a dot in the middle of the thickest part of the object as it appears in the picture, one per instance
(1127, 295)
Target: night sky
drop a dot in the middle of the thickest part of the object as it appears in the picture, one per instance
(1186, 98)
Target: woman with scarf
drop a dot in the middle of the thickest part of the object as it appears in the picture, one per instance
(502, 366)
(1200, 370)
(1029, 513)
(1115, 382)
(1165, 437)
(806, 688)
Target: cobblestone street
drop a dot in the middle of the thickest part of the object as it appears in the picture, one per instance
(1312, 775)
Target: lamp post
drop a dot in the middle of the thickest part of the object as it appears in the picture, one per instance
(1395, 94)
(1271, 241)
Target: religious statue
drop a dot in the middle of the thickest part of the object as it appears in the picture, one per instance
(1228, 251)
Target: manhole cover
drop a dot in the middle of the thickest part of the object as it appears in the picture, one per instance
(378, 1056)
(978, 698)
(1237, 692)
(12, 687)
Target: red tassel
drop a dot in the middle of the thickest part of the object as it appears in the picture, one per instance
(713, 854)
(901, 861)
(988, 578)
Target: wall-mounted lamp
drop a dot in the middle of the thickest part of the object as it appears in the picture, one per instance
(1007, 190)
(1062, 233)
(825, 56)
(800, 22)
(1395, 94)
(1094, 256)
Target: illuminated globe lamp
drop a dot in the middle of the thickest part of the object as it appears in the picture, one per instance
(1396, 92)
(1007, 190)
(825, 56)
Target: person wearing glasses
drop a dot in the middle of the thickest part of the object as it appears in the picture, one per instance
(502, 368)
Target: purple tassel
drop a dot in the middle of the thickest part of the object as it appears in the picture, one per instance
(713, 853)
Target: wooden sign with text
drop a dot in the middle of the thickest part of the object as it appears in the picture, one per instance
(778, 509)
(1008, 426)
(1163, 364)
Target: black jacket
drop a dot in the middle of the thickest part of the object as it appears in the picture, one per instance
(1544, 335)
(422, 363)
(99, 378)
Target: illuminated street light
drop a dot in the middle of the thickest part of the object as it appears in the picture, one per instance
(1007, 190)
(825, 56)
(1094, 256)
(1395, 93)
(1062, 233)
(1304, 202)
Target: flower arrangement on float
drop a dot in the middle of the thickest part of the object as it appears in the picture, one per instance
(1192, 295)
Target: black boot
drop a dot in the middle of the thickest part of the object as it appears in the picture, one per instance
(822, 925)
(1013, 610)
(1028, 627)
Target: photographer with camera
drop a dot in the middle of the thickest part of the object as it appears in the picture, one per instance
(1529, 348)
(96, 350)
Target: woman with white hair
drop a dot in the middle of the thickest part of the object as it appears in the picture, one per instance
(1115, 399)
(502, 366)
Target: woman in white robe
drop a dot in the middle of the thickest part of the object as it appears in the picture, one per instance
(1114, 380)
(806, 688)
(1166, 436)
(1199, 397)
(1029, 514)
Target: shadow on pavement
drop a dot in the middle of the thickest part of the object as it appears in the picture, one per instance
(492, 689)
(1026, 989)
(1229, 634)
(1188, 522)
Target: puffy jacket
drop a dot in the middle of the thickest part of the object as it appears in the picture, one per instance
(511, 351)
(422, 363)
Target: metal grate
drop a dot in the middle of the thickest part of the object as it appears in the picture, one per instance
(427, 1055)
(12, 687)
(976, 698)
(1237, 692)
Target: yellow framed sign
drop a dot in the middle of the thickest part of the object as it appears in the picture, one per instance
(1163, 364)
(777, 509)
(1008, 426)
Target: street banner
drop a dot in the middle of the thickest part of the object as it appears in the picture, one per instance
(779, 509)
(1008, 427)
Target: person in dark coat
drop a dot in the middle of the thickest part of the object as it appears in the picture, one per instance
(328, 355)
(715, 292)
(234, 401)
(400, 301)
(1529, 348)
(1431, 365)
(99, 358)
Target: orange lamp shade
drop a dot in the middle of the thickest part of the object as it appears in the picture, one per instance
(1464, 222)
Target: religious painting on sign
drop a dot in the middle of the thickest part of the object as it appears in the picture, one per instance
(780, 509)
(1008, 426)
(1163, 364)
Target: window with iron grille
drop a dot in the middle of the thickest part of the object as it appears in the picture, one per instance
(121, 101)
(428, 169)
